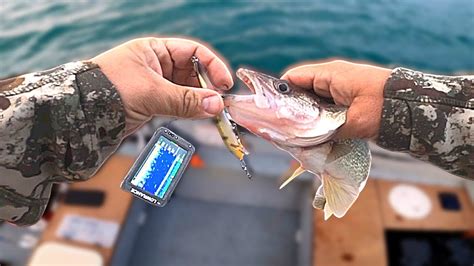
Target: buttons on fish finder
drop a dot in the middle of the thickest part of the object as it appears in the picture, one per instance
(171, 134)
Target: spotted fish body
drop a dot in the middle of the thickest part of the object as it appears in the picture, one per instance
(302, 124)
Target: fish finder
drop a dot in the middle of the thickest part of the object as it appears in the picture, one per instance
(155, 174)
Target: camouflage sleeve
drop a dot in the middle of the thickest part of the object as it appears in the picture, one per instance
(58, 125)
(431, 117)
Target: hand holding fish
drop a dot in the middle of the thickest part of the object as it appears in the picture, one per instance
(155, 76)
(358, 86)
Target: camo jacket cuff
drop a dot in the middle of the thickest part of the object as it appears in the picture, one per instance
(431, 117)
(58, 125)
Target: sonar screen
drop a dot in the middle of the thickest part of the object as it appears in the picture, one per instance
(155, 174)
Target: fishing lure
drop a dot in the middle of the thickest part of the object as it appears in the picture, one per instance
(226, 127)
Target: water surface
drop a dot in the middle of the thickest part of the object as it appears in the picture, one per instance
(430, 35)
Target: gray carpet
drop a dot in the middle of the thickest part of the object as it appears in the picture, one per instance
(190, 232)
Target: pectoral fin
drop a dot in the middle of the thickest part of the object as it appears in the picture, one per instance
(340, 194)
(296, 173)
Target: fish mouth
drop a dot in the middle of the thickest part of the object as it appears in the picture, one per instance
(253, 111)
(244, 75)
(261, 85)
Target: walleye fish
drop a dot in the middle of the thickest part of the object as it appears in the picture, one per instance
(302, 124)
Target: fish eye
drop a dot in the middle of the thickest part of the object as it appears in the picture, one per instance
(282, 87)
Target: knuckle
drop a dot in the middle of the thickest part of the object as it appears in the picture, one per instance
(152, 41)
(338, 62)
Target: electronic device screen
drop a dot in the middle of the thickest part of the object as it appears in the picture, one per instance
(156, 172)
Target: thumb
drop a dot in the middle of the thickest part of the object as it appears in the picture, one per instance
(312, 77)
(187, 102)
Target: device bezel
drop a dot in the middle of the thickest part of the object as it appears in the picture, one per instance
(143, 194)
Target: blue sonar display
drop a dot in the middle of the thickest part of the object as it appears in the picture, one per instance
(160, 167)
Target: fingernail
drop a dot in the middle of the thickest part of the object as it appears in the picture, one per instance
(212, 104)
